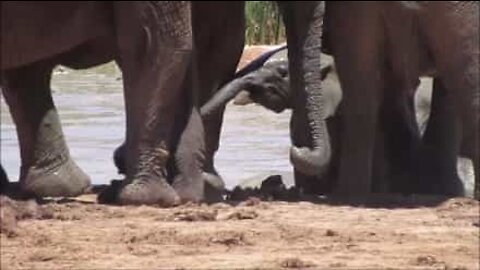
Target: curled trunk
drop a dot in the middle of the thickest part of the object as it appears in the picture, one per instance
(311, 151)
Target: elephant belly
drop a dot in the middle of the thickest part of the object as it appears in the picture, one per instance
(32, 31)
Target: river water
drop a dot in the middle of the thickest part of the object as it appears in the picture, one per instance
(254, 142)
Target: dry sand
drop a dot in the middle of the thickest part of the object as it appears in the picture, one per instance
(401, 233)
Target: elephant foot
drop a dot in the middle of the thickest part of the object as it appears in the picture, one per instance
(438, 177)
(109, 195)
(452, 187)
(210, 188)
(189, 190)
(214, 180)
(148, 191)
(64, 180)
(214, 187)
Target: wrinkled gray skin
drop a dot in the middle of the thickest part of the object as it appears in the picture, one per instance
(150, 41)
(381, 49)
(219, 41)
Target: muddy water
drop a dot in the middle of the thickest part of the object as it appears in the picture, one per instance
(90, 102)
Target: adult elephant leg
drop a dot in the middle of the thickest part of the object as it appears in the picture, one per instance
(457, 72)
(441, 145)
(359, 64)
(155, 44)
(47, 168)
(402, 135)
(311, 152)
(219, 42)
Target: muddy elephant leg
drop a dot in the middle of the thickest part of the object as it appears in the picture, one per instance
(441, 144)
(219, 42)
(459, 78)
(359, 130)
(47, 168)
(360, 70)
(155, 45)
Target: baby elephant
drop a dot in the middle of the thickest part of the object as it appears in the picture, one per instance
(266, 81)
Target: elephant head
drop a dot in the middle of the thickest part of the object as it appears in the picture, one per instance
(266, 81)
(256, 79)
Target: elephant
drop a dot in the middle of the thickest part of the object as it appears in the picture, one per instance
(380, 71)
(265, 82)
(155, 52)
(381, 49)
(153, 45)
(395, 146)
(218, 42)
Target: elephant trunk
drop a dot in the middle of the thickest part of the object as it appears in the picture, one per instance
(224, 95)
(313, 157)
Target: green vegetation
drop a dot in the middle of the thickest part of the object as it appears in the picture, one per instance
(264, 23)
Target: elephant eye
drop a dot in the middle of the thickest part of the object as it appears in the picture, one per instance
(283, 70)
